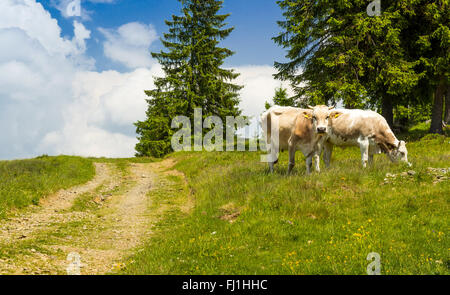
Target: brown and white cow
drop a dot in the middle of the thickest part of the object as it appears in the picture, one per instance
(292, 129)
(366, 129)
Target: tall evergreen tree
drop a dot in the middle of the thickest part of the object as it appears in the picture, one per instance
(431, 46)
(346, 55)
(193, 75)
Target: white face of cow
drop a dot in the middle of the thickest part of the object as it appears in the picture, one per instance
(400, 153)
(320, 119)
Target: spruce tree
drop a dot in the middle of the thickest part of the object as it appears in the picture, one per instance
(431, 45)
(345, 54)
(281, 97)
(193, 76)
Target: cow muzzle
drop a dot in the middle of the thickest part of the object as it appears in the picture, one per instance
(321, 130)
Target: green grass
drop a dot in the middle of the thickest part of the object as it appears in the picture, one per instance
(24, 182)
(121, 170)
(419, 131)
(86, 201)
(324, 223)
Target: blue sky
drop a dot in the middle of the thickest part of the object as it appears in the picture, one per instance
(254, 22)
(75, 85)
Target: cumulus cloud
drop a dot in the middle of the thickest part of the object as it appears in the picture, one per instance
(36, 71)
(259, 87)
(129, 44)
(32, 18)
(99, 121)
(51, 99)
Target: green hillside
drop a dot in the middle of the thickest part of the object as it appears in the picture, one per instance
(247, 221)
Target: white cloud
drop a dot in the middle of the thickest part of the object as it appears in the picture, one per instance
(103, 102)
(32, 18)
(36, 69)
(85, 140)
(47, 90)
(129, 44)
(259, 87)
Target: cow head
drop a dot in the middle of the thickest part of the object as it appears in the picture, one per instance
(321, 118)
(400, 153)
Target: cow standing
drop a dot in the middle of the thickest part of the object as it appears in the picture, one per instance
(292, 129)
(366, 129)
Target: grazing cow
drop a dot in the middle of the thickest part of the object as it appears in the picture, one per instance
(366, 129)
(298, 129)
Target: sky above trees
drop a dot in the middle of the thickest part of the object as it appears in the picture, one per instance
(254, 22)
(74, 84)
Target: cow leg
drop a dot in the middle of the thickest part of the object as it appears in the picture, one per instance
(270, 161)
(308, 164)
(273, 156)
(272, 164)
(364, 146)
(291, 158)
(327, 151)
(371, 153)
(317, 162)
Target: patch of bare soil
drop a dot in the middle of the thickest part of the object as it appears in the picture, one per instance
(230, 212)
(92, 241)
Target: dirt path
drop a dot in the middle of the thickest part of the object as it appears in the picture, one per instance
(51, 237)
(22, 226)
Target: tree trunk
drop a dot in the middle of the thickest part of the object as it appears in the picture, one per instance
(387, 109)
(438, 108)
(447, 106)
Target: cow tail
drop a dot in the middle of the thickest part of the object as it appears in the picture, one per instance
(266, 123)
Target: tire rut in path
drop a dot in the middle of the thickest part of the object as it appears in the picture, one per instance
(35, 218)
(102, 237)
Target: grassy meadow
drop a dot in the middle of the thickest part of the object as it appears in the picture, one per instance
(247, 221)
(244, 220)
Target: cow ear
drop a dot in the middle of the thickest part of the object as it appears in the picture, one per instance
(307, 115)
(335, 114)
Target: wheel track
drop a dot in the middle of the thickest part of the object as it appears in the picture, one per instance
(102, 237)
